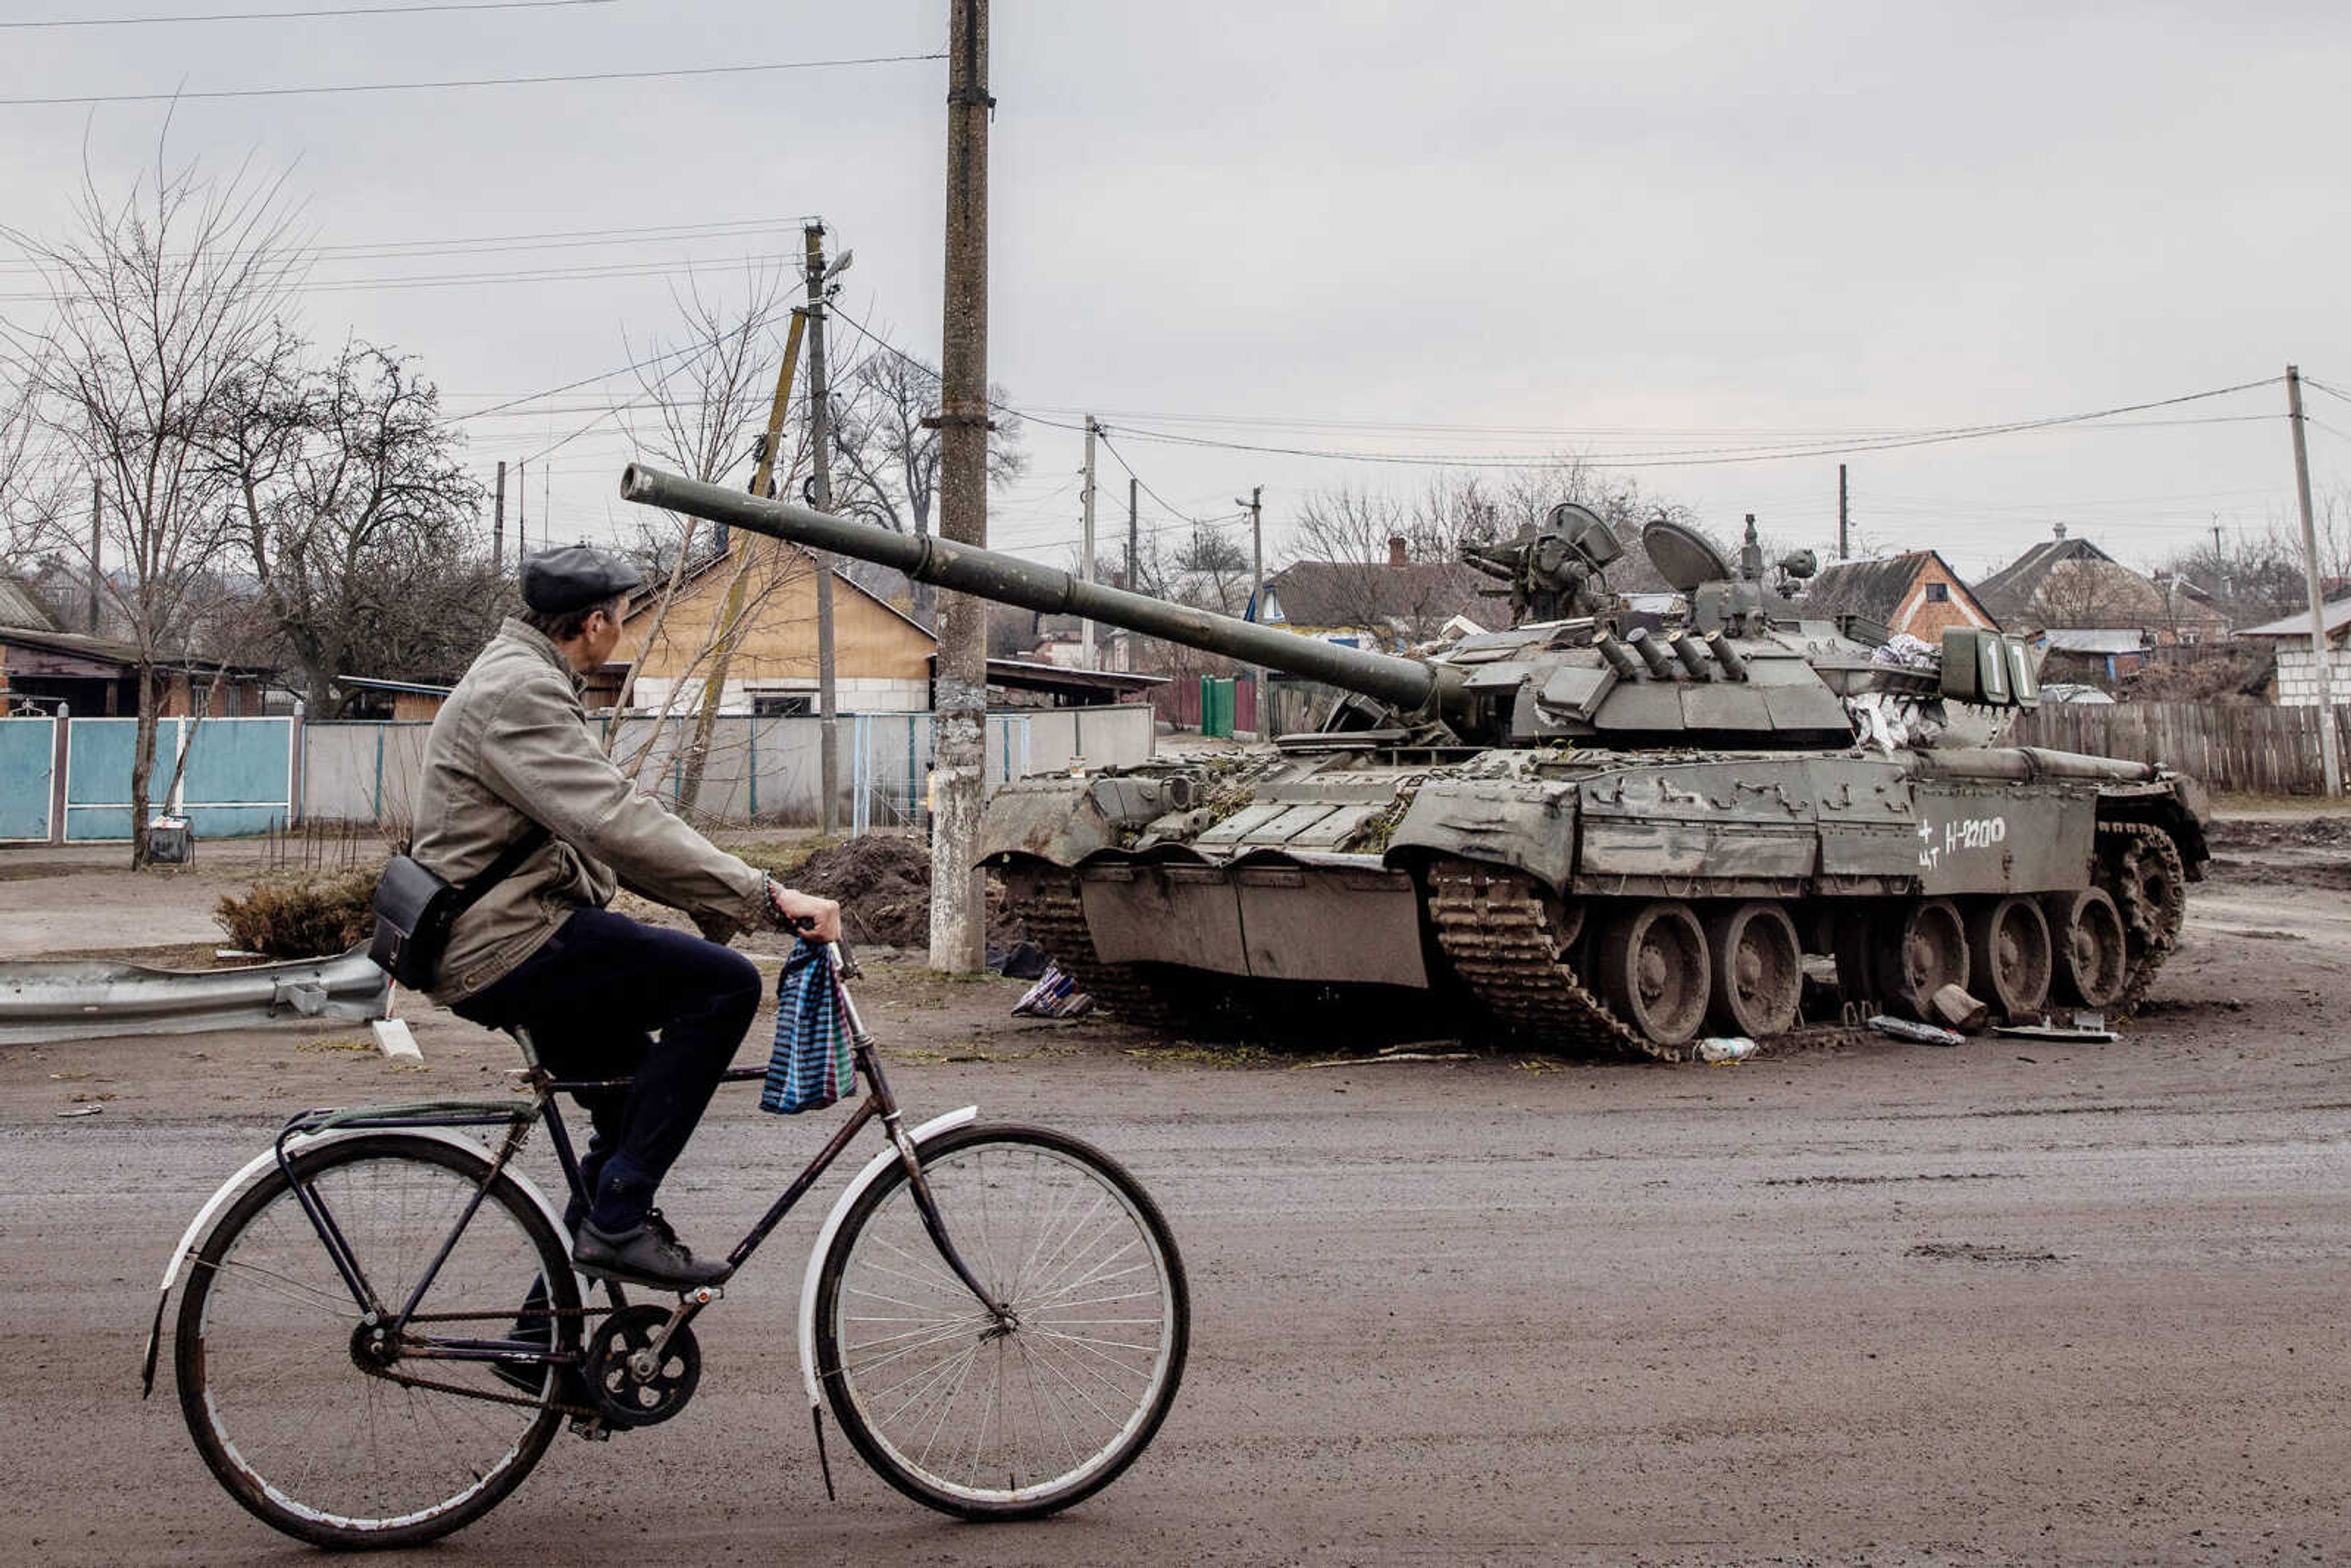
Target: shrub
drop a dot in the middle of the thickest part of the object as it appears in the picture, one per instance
(302, 916)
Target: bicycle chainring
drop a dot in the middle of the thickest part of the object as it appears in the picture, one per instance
(628, 1391)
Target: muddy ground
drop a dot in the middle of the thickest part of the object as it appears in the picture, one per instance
(2015, 1302)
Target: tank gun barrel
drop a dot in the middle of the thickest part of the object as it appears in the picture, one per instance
(1404, 684)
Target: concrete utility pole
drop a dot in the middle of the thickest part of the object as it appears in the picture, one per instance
(1256, 593)
(1843, 552)
(499, 526)
(2319, 657)
(827, 753)
(1086, 549)
(959, 730)
(522, 506)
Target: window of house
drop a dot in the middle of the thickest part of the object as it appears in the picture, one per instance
(1939, 593)
(781, 705)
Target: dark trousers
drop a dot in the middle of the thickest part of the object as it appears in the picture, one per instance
(592, 999)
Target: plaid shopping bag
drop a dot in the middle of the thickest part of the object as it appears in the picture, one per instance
(811, 1066)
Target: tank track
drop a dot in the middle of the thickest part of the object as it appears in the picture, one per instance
(1499, 935)
(2156, 931)
(1056, 921)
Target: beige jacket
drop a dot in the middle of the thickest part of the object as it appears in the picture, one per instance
(512, 746)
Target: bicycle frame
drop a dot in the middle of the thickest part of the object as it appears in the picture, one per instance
(878, 1104)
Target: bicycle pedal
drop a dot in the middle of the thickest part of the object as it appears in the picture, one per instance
(591, 1429)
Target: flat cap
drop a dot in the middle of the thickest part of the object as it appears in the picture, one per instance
(574, 577)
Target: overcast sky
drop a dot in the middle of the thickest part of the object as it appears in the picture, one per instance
(1409, 230)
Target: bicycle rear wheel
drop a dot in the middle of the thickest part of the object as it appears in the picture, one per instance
(991, 1422)
(302, 1419)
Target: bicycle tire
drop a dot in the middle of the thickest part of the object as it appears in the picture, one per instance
(268, 1344)
(1038, 1216)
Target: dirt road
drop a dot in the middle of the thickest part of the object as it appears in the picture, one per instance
(2007, 1303)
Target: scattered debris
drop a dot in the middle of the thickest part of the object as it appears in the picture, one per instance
(83, 1111)
(394, 1038)
(1917, 1033)
(1725, 1049)
(1056, 996)
(1386, 1056)
(1960, 1010)
(2089, 1029)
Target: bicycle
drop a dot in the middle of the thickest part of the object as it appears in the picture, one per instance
(381, 1331)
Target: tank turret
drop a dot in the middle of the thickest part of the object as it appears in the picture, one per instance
(1598, 830)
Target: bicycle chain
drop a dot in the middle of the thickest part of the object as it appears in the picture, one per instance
(2122, 847)
(1498, 934)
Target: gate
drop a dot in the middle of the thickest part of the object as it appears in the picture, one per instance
(239, 779)
(28, 750)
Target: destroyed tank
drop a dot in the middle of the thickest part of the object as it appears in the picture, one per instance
(1600, 830)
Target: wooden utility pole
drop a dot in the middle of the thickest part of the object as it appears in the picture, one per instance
(1126, 639)
(828, 765)
(1844, 549)
(522, 508)
(97, 550)
(2320, 658)
(959, 729)
(499, 526)
(1086, 659)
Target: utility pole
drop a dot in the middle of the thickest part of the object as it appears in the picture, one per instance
(1843, 514)
(1126, 639)
(828, 767)
(1086, 546)
(1256, 593)
(959, 730)
(97, 550)
(2320, 658)
(522, 506)
(499, 526)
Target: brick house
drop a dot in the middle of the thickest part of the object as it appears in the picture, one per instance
(1916, 592)
(2297, 675)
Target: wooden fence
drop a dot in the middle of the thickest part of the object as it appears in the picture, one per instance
(2247, 748)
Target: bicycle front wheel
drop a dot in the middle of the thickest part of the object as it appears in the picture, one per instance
(987, 1420)
(306, 1417)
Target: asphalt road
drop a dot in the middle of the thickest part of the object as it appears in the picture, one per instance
(2013, 1302)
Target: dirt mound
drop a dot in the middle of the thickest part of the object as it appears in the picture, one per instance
(2278, 832)
(883, 885)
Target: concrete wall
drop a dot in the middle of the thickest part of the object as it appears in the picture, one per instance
(765, 769)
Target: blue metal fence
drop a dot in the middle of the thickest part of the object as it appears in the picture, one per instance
(239, 778)
(28, 749)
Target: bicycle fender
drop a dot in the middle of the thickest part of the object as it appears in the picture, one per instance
(850, 1194)
(231, 1188)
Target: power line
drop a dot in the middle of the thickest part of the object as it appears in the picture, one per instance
(608, 272)
(304, 15)
(183, 96)
(1704, 457)
(484, 245)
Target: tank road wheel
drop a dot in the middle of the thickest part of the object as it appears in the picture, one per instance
(2008, 947)
(1926, 950)
(2091, 954)
(1758, 970)
(1653, 969)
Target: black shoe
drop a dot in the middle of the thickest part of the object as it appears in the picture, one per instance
(532, 1327)
(649, 1255)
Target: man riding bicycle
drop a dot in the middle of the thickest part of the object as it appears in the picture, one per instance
(510, 754)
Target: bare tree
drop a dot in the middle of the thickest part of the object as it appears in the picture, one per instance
(887, 456)
(159, 302)
(703, 415)
(357, 517)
